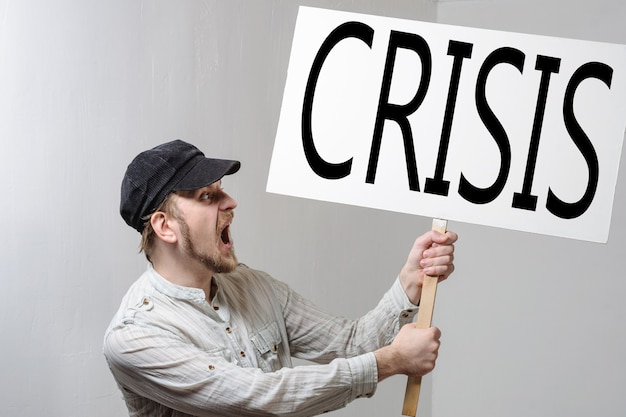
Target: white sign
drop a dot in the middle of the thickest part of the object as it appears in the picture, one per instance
(502, 129)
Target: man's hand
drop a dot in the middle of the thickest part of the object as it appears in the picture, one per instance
(432, 254)
(413, 352)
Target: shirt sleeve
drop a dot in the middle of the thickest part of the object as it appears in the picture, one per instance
(321, 337)
(169, 372)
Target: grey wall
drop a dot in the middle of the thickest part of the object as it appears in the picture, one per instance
(532, 325)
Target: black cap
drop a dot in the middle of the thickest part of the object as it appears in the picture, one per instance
(155, 173)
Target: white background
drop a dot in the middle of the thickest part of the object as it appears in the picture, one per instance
(532, 325)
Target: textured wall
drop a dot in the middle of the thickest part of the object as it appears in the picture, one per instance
(84, 86)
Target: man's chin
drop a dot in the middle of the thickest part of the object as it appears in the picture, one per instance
(227, 264)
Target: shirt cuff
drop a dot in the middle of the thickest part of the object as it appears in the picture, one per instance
(407, 309)
(364, 371)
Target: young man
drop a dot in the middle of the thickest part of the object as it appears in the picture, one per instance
(200, 334)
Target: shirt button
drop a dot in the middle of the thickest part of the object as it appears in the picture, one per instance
(147, 304)
(243, 354)
(211, 368)
(216, 308)
(228, 330)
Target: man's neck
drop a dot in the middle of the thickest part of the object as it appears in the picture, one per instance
(187, 274)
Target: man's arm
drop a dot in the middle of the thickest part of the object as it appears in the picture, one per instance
(318, 336)
(165, 371)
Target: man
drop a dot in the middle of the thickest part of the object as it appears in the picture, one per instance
(200, 334)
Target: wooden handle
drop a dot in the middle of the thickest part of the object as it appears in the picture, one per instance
(424, 320)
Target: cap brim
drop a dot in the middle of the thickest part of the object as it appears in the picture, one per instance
(206, 172)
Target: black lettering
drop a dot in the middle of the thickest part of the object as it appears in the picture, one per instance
(400, 113)
(555, 205)
(321, 167)
(525, 200)
(437, 185)
(468, 191)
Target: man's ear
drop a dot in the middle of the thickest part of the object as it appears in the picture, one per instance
(162, 226)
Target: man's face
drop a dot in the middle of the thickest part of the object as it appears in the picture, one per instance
(206, 215)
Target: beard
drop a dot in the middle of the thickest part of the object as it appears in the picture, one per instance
(215, 262)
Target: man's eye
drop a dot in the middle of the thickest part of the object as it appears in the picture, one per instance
(206, 196)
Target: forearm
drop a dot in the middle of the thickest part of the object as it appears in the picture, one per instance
(412, 287)
(385, 363)
(318, 336)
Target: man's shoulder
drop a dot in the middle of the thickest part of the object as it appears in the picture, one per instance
(243, 271)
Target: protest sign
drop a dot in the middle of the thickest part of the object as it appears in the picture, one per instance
(509, 130)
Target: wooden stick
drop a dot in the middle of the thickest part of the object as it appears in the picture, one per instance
(424, 320)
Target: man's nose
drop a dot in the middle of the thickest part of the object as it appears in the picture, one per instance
(228, 203)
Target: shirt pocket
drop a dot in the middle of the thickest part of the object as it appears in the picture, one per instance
(267, 342)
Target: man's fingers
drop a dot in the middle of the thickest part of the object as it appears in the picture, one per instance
(436, 332)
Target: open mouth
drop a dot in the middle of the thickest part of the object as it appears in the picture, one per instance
(225, 236)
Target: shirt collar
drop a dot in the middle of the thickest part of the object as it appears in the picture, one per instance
(172, 290)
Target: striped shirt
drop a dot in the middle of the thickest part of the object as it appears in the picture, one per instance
(172, 353)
